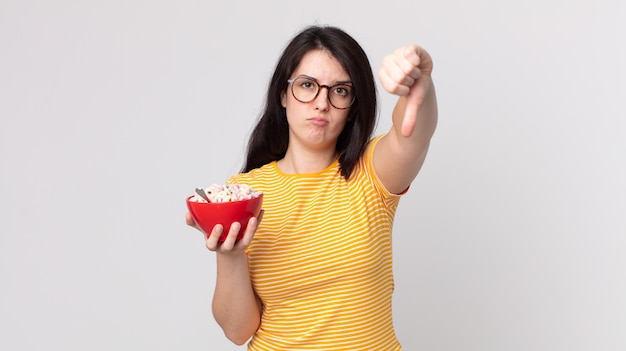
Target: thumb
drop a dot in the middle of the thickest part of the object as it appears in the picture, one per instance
(414, 100)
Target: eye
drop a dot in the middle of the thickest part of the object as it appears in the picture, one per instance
(307, 84)
(342, 90)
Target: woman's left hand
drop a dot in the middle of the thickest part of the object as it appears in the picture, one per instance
(406, 72)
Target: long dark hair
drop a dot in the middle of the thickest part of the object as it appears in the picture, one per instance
(270, 137)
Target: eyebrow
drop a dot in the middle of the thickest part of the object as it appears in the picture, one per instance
(346, 82)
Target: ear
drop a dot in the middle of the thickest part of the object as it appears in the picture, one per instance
(283, 99)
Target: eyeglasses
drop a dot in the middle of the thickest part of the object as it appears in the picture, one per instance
(306, 89)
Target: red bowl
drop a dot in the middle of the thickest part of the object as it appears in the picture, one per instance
(209, 214)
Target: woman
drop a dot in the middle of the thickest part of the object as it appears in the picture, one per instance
(316, 274)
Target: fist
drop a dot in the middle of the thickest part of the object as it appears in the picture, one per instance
(404, 67)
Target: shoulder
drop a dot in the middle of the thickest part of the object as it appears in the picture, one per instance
(367, 172)
(366, 161)
(258, 178)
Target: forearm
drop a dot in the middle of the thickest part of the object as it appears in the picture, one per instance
(235, 306)
(399, 156)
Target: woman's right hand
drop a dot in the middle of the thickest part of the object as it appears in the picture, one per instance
(230, 245)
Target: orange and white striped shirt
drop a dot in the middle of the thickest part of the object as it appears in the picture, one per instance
(321, 260)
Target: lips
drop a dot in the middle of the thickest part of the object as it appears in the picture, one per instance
(318, 121)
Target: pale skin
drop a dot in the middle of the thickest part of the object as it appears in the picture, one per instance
(314, 128)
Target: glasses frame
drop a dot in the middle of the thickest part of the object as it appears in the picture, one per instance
(319, 88)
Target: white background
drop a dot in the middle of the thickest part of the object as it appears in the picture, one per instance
(513, 237)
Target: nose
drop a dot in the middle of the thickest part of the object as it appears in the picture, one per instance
(322, 101)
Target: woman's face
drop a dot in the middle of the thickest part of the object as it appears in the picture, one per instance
(316, 124)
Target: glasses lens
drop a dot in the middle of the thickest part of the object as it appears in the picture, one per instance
(304, 89)
(341, 96)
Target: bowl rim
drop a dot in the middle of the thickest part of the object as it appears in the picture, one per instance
(222, 203)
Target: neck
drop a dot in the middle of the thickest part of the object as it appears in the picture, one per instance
(305, 162)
